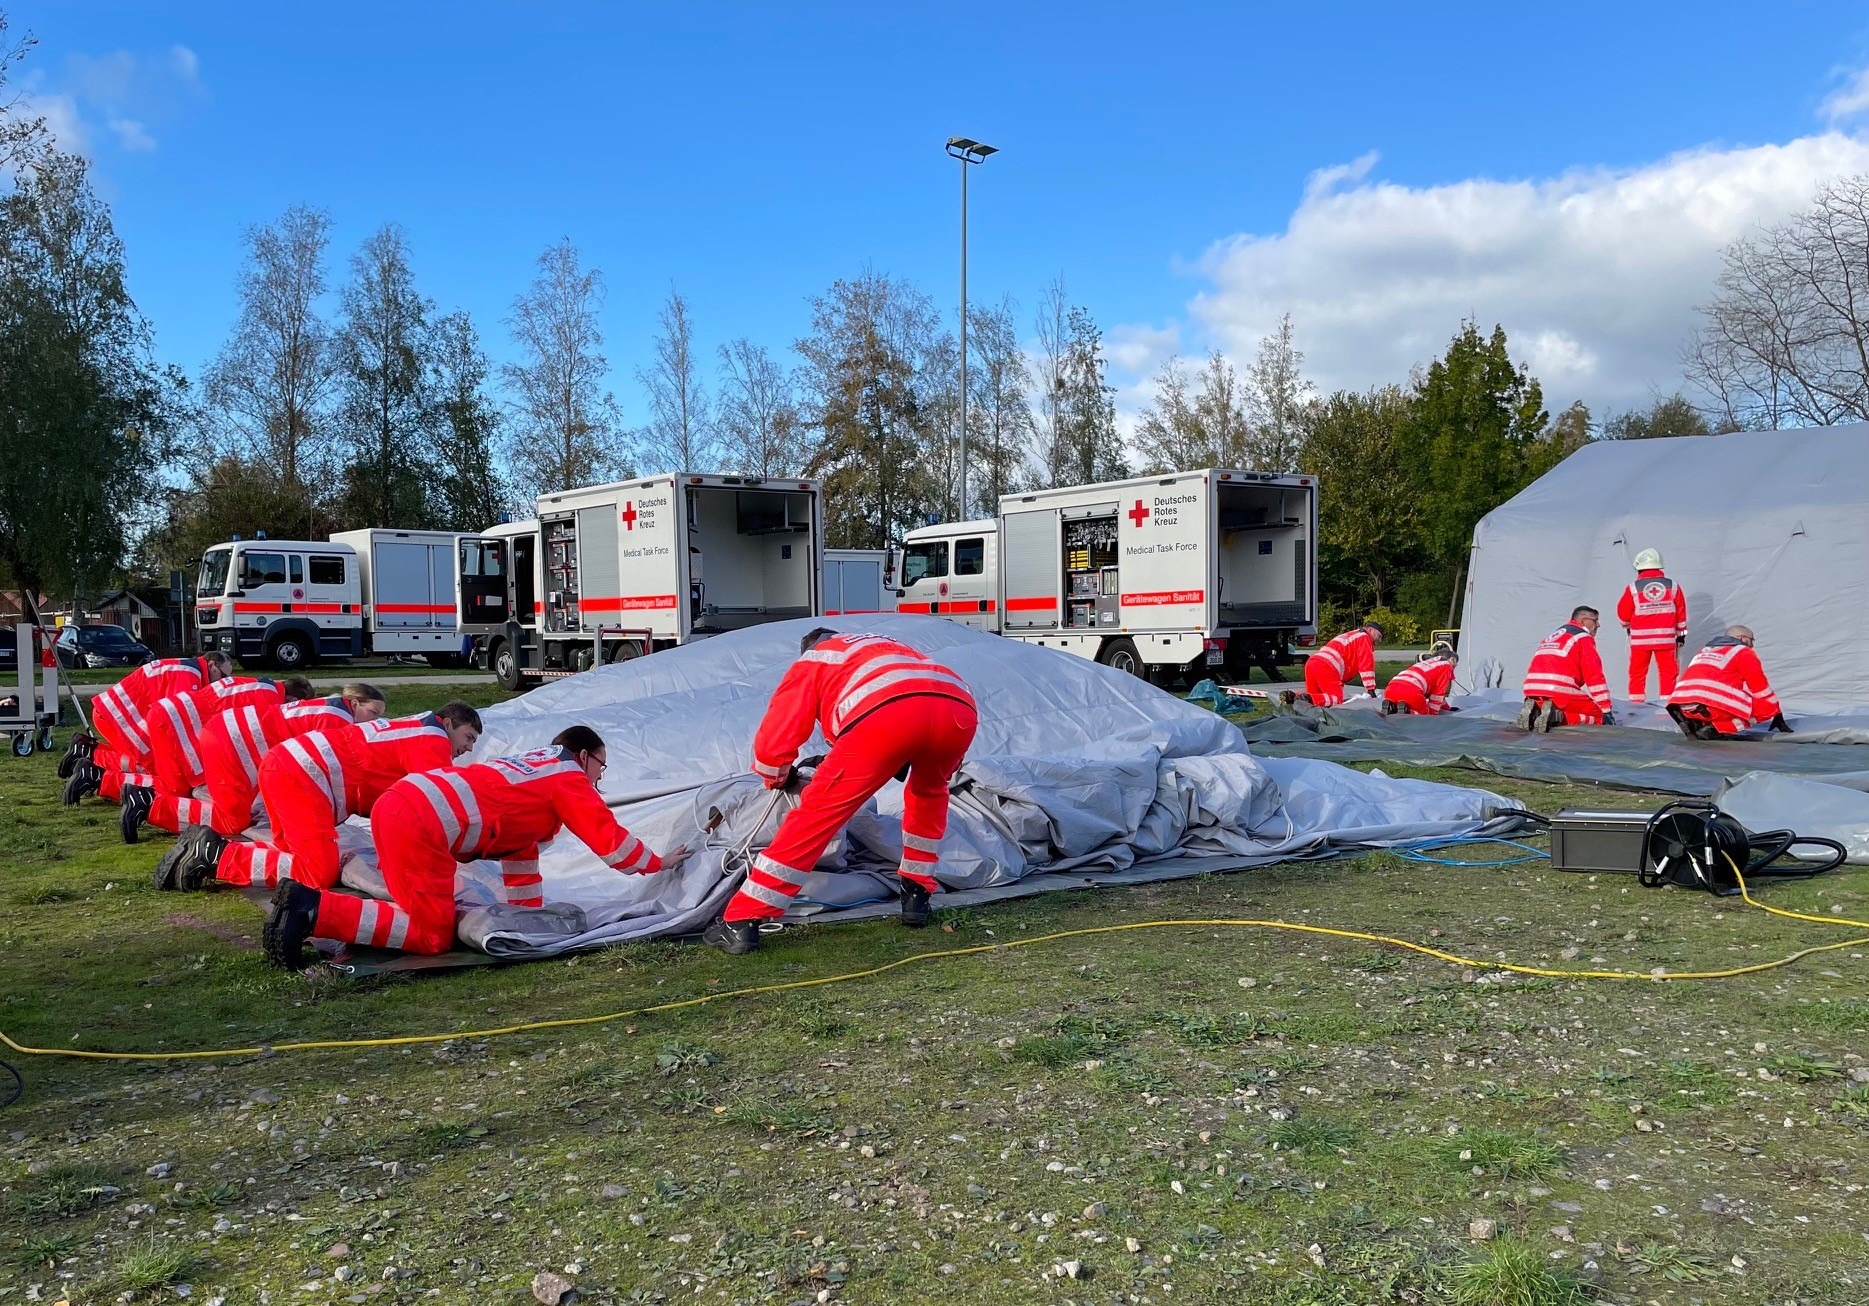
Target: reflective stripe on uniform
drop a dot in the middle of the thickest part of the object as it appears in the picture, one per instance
(244, 730)
(760, 893)
(860, 694)
(630, 855)
(919, 844)
(175, 709)
(780, 871)
(319, 761)
(460, 828)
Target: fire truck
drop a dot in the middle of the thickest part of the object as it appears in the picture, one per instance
(1192, 573)
(608, 572)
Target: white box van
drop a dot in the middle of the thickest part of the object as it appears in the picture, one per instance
(1211, 569)
(291, 603)
(615, 571)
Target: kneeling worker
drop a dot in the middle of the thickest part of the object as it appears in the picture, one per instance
(1724, 690)
(887, 711)
(1328, 670)
(426, 824)
(1420, 689)
(1564, 685)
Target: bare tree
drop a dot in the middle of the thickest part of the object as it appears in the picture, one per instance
(566, 429)
(383, 406)
(1786, 339)
(999, 410)
(1195, 421)
(1052, 328)
(1277, 398)
(22, 134)
(270, 385)
(759, 424)
(680, 435)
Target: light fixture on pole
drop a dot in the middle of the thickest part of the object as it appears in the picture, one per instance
(968, 152)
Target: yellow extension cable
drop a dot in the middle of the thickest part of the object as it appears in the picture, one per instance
(570, 1022)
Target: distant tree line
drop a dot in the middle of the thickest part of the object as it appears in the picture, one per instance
(359, 401)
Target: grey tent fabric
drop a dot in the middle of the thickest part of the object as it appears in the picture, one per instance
(1765, 800)
(1079, 774)
(1768, 529)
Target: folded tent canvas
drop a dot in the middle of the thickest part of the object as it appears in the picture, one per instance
(1768, 529)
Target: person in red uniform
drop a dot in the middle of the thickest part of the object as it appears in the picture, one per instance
(888, 711)
(313, 783)
(176, 798)
(118, 740)
(426, 824)
(1328, 670)
(1653, 612)
(1723, 690)
(1421, 688)
(235, 743)
(1564, 685)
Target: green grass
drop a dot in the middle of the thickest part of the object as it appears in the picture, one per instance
(863, 1136)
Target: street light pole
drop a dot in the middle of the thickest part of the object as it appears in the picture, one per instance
(968, 152)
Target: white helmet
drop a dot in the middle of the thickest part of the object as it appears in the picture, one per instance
(1648, 558)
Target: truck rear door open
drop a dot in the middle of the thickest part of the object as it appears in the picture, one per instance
(485, 598)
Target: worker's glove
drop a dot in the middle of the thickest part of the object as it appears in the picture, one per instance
(1680, 641)
(1450, 708)
(1780, 724)
(1609, 718)
(783, 780)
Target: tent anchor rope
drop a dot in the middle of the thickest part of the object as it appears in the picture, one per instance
(572, 1022)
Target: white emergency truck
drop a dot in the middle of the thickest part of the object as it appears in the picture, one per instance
(859, 581)
(290, 603)
(615, 571)
(1192, 573)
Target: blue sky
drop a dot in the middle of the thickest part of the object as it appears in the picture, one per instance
(1173, 163)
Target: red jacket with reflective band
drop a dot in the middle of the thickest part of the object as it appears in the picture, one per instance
(505, 808)
(129, 701)
(252, 730)
(355, 764)
(1728, 677)
(1654, 609)
(836, 684)
(186, 716)
(1431, 679)
(1352, 653)
(1567, 663)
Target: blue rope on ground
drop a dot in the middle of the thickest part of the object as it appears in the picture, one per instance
(1417, 852)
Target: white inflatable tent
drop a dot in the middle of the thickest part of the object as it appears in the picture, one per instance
(1768, 529)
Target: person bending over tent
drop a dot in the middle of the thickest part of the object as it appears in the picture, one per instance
(1653, 612)
(312, 784)
(425, 824)
(1564, 685)
(1420, 689)
(177, 798)
(118, 741)
(1328, 670)
(235, 743)
(888, 711)
(1724, 690)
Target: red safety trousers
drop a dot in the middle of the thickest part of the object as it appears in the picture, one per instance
(240, 739)
(303, 846)
(1667, 663)
(930, 734)
(179, 801)
(413, 854)
(1579, 709)
(111, 787)
(1322, 684)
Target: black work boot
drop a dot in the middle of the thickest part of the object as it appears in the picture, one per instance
(1550, 717)
(201, 858)
(915, 911)
(134, 810)
(86, 776)
(79, 750)
(295, 912)
(1527, 719)
(734, 938)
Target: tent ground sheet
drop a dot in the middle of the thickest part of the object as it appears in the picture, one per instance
(1079, 775)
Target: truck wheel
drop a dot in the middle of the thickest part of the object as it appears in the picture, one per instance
(1121, 655)
(290, 653)
(505, 664)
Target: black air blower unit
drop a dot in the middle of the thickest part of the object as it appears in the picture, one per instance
(1690, 844)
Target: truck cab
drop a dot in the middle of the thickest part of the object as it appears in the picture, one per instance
(280, 603)
(952, 571)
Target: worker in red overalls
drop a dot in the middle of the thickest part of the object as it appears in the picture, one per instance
(888, 711)
(235, 743)
(1328, 670)
(118, 741)
(426, 824)
(176, 798)
(1564, 685)
(1723, 690)
(1653, 613)
(1421, 688)
(313, 783)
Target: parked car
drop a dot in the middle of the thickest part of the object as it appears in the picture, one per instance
(99, 646)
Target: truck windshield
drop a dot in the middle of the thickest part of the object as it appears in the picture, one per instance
(213, 579)
(924, 562)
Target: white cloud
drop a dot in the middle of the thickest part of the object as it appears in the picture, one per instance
(1594, 274)
(132, 135)
(1848, 102)
(114, 97)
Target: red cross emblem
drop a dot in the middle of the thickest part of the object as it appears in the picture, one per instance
(629, 516)
(1654, 592)
(1138, 514)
